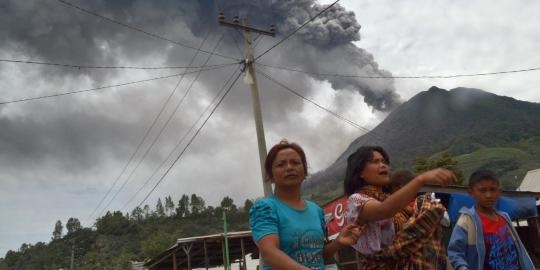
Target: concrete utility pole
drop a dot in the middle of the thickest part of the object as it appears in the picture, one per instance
(251, 79)
(72, 254)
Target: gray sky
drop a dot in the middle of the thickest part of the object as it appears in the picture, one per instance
(59, 156)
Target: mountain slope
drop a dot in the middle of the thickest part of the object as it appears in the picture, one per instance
(459, 121)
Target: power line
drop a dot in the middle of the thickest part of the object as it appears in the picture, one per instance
(105, 67)
(257, 40)
(403, 77)
(235, 41)
(350, 122)
(138, 29)
(313, 102)
(144, 138)
(191, 140)
(105, 87)
(180, 141)
(295, 31)
(156, 138)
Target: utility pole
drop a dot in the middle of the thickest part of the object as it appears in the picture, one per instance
(251, 79)
(72, 254)
(227, 259)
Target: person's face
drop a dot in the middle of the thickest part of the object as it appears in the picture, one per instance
(288, 169)
(486, 193)
(376, 171)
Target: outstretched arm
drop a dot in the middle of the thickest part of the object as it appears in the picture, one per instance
(374, 210)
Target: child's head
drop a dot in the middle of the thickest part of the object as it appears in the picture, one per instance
(484, 188)
(369, 165)
(399, 179)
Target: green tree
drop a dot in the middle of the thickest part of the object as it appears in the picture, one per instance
(160, 211)
(137, 214)
(227, 204)
(146, 211)
(156, 243)
(73, 225)
(169, 205)
(197, 204)
(443, 161)
(12, 259)
(113, 223)
(58, 228)
(183, 206)
(247, 205)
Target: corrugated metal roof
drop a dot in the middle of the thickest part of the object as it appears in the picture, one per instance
(531, 182)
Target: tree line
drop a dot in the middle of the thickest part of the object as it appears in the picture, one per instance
(117, 238)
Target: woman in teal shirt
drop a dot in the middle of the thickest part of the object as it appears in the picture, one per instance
(289, 230)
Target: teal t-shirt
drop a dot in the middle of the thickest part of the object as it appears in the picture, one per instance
(301, 232)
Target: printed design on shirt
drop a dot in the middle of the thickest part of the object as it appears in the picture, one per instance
(502, 252)
(307, 246)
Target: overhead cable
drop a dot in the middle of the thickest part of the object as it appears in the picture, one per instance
(158, 136)
(67, 3)
(190, 141)
(180, 141)
(400, 76)
(147, 133)
(104, 87)
(350, 122)
(107, 67)
(295, 31)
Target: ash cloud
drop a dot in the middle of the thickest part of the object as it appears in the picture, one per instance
(58, 33)
(323, 46)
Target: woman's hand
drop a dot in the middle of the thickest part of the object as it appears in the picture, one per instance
(349, 235)
(439, 176)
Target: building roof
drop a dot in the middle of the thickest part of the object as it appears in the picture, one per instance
(240, 244)
(531, 182)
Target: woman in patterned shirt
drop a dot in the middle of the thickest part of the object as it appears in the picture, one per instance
(385, 242)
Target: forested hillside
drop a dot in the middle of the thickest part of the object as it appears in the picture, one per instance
(119, 238)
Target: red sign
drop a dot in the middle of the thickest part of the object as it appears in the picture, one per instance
(334, 215)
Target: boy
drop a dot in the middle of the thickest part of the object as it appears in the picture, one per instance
(483, 237)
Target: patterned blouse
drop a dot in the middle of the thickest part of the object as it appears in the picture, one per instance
(376, 234)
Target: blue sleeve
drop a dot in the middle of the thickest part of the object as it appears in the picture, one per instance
(457, 247)
(323, 222)
(262, 220)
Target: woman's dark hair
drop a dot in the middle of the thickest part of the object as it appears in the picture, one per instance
(356, 163)
(272, 154)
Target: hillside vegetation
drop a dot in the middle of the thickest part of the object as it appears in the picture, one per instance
(118, 239)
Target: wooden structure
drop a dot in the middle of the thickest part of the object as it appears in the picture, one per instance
(205, 252)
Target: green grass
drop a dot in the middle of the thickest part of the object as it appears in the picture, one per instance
(511, 162)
